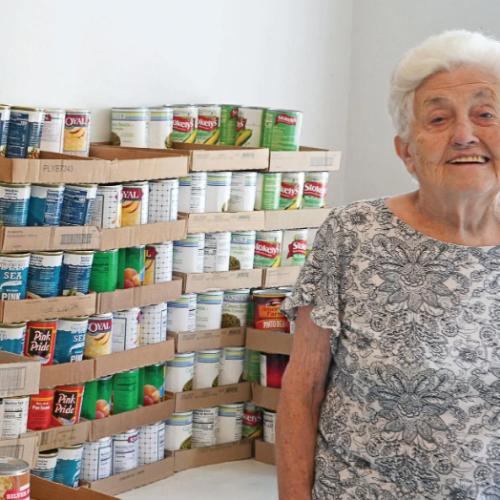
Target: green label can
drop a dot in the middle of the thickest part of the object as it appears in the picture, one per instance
(131, 265)
(104, 392)
(125, 388)
(229, 121)
(185, 124)
(154, 378)
(89, 400)
(267, 196)
(294, 247)
(292, 187)
(315, 187)
(140, 388)
(249, 127)
(267, 249)
(208, 124)
(251, 367)
(281, 130)
(104, 273)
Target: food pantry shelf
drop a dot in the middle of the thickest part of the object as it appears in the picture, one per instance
(265, 397)
(208, 339)
(24, 448)
(307, 159)
(19, 376)
(226, 280)
(293, 219)
(59, 437)
(264, 452)
(280, 276)
(212, 222)
(269, 341)
(76, 372)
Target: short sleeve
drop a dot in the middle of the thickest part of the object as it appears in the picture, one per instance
(318, 282)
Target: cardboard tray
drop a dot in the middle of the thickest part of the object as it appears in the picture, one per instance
(59, 437)
(25, 447)
(208, 339)
(307, 159)
(41, 489)
(269, 341)
(228, 280)
(265, 397)
(77, 372)
(225, 221)
(264, 452)
(294, 219)
(280, 276)
(19, 376)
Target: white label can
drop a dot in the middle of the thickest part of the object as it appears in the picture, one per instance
(205, 427)
(242, 251)
(189, 254)
(125, 329)
(163, 200)
(179, 431)
(129, 127)
(218, 191)
(206, 369)
(209, 310)
(153, 324)
(243, 189)
(192, 193)
(235, 307)
(231, 369)
(15, 417)
(179, 373)
(151, 443)
(230, 426)
(45, 465)
(96, 459)
(249, 127)
(181, 313)
(107, 211)
(53, 131)
(216, 255)
(161, 122)
(125, 451)
(294, 247)
(159, 262)
(269, 426)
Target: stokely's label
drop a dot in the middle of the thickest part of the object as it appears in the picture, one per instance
(314, 189)
(289, 191)
(285, 119)
(266, 249)
(208, 123)
(297, 247)
(182, 124)
(241, 124)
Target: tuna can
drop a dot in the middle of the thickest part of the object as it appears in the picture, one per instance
(181, 313)
(25, 132)
(153, 324)
(104, 273)
(53, 131)
(249, 127)
(281, 130)
(218, 191)
(15, 479)
(107, 213)
(75, 272)
(151, 443)
(67, 405)
(40, 410)
(14, 275)
(228, 124)
(45, 204)
(180, 373)
(205, 427)
(231, 369)
(45, 465)
(153, 387)
(41, 340)
(131, 263)
(70, 339)
(269, 426)
(99, 334)
(97, 459)
(251, 368)
(12, 337)
(135, 203)
(78, 204)
(4, 127)
(185, 124)
(267, 194)
(268, 249)
(68, 465)
(208, 124)
(209, 310)
(161, 124)
(125, 390)
(311, 236)
(206, 369)
(14, 202)
(292, 188)
(44, 274)
(243, 191)
(179, 431)
(189, 254)
(15, 417)
(252, 421)
(216, 254)
(272, 368)
(129, 127)
(315, 187)
(76, 132)
(159, 261)
(294, 247)
(125, 329)
(104, 397)
(230, 426)
(242, 250)
(163, 200)
(267, 310)
(235, 308)
(125, 451)
(192, 193)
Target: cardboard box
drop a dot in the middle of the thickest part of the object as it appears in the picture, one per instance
(269, 341)
(306, 159)
(13, 311)
(280, 276)
(228, 280)
(59, 437)
(19, 376)
(144, 415)
(294, 219)
(215, 396)
(265, 397)
(208, 339)
(134, 358)
(24, 447)
(41, 489)
(264, 452)
(135, 478)
(77, 372)
(238, 221)
(197, 457)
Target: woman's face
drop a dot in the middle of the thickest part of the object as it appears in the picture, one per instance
(454, 143)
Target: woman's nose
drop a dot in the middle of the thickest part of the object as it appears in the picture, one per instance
(464, 134)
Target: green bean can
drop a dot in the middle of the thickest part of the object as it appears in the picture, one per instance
(282, 129)
(251, 367)
(228, 124)
(104, 274)
(154, 378)
(104, 393)
(125, 388)
(267, 196)
(131, 265)
(89, 400)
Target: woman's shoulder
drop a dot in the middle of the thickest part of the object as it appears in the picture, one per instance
(359, 215)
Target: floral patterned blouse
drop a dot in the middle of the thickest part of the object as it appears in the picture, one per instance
(412, 408)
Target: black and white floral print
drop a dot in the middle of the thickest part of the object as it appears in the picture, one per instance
(412, 409)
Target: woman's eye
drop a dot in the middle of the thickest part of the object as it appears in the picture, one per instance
(486, 115)
(437, 120)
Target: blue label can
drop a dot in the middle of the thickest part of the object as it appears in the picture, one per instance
(70, 339)
(14, 201)
(45, 466)
(75, 272)
(14, 276)
(12, 337)
(45, 204)
(4, 127)
(44, 274)
(68, 465)
(78, 204)
(25, 132)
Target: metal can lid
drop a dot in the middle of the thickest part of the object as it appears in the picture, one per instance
(78, 111)
(54, 110)
(81, 185)
(14, 184)
(48, 453)
(253, 107)
(129, 108)
(75, 318)
(281, 110)
(25, 254)
(79, 252)
(270, 293)
(13, 325)
(54, 186)
(25, 108)
(47, 253)
(12, 466)
(72, 447)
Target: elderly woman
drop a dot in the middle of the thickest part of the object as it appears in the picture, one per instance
(393, 387)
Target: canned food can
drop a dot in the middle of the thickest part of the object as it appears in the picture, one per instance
(4, 127)
(206, 369)
(153, 385)
(12, 337)
(104, 397)
(153, 324)
(251, 368)
(315, 187)
(208, 124)
(44, 274)
(125, 451)
(41, 340)
(311, 236)
(180, 373)
(131, 264)
(99, 334)
(75, 272)
(78, 204)
(107, 213)
(97, 459)
(192, 193)
(294, 247)
(77, 132)
(272, 368)
(292, 188)
(230, 426)
(267, 310)
(242, 250)
(45, 465)
(218, 191)
(15, 478)
(235, 308)
(228, 124)
(243, 191)
(140, 390)
(205, 427)
(125, 390)
(269, 426)
(185, 124)
(189, 254)
(104, 272)
(14, 202)
(281, 130)
(209, 310)
(70, 339)
(68, 465)
(45, 204)
(135, 203)
(268, 249)
(151, 443)
(267, 195)
(125, 329)
(249, 127)
(53, 131)
(14, 275)
(129, 127)
(181, 313)
(231, 369)
(216, 253)
(252, 421)
(40, 410)
(89, 401)
(179, 431)
(159, 262)
(163, 200)
(67, 405)
(161, 124)
(25, 132)
(15, 416)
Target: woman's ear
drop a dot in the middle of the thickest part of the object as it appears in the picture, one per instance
(403, 151)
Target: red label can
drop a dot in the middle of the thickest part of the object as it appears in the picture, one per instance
(41, 340)
(67, 405)
(40, 410)
(267, 310)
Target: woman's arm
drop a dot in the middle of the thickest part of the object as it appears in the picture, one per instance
(302, 392)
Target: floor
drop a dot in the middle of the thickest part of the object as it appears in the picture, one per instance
(243, 480)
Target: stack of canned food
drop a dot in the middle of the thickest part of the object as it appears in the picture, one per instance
(225, 124)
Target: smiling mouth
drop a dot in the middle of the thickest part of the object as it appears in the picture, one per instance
(468, 160)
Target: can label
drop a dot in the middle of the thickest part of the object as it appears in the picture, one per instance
(53, 131)
(4, 128)
(231, 369)
(77, 132)
(104, 272)
(40, 341)
(315, 187)
(125, 329)
(125, 451)
(131, 264)
(45, 205)
(125, 391)
(249, 127)
(103, 397)
(75, 273)
(269, 426)
(272, 368)
(268, 249)
(25, 131)
(181, 313)
(13, 276)
(153, 324)
(96, 460)
(216, 253)
(107, 211)
(135, 204)
(251, 367)
(292, 186)
(163, 200)
(67, 405)
(205, 427)
(229, 121)
(40, 410)
(161, 123)
(70, 340)
(12, 338)
(45, 465)
(230, 428)
(185, 124)
(218, 191)
(15, 417)
(129, 127)
(154, 379)
(206, 369)
(151, 443)
(282, 130)
(208, 125)
(159, 262)
(68, 466)
(14, 202)
(98, 336)
(189, 254)
(209, 310)
(180, 372)
(267, 196)
(179, 431)
(192, 193)
(235, 308)
(44, 274)
(294, 248)
(78, 204)
(242, 250)
(267, 312)
(243, 191)
(252, 421)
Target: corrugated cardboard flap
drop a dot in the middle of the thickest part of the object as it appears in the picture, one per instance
(294, 219)
(19, 376)
(269, 341)
(264, 452)
(280, 276)
(59, 437)
(237, 221)
(42, 489)
(266, 397)
(208, 339)
(77, 372)
(25, 447)
(228, 280)
(306, 159)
